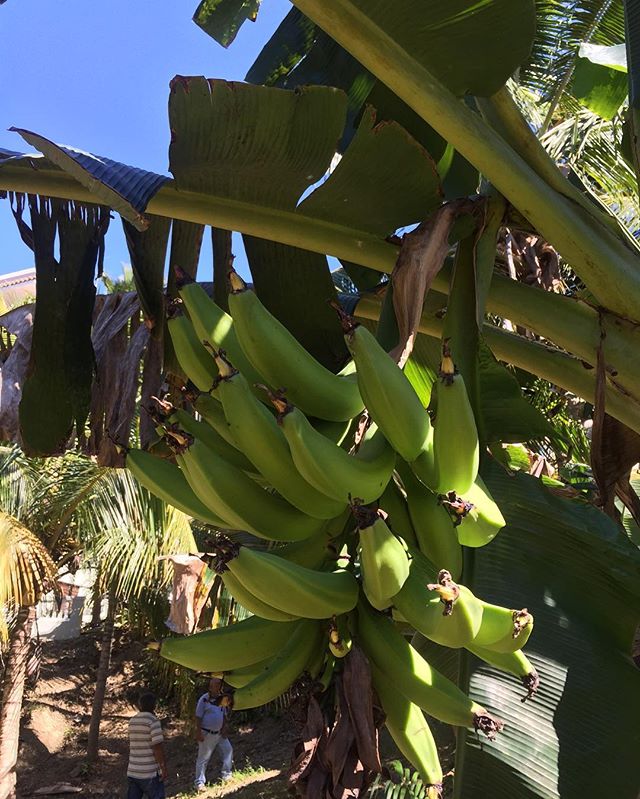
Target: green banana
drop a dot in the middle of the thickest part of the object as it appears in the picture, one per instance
(312, 552)
(261, 439)
(383, 559)
(483, 521)
(502, 629)
(393, 503)
(282, 670)
(196, 362)
(338, 432)
(235, 496)
(231, 647)
(340, 638)
(455, 438)
(215, 326)
(421, 599)
(283, 361)
(424, 466)
(515, 663)
(329, 468)
(199, 429)
(434, 528)
(389, 396)
(165, 480)
(209, 408)
(287, 586)
(238, 678)
(416, 679)
(410, 731)
(251, 602)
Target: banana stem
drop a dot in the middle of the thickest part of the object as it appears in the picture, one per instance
(608, 267)
(504, 116)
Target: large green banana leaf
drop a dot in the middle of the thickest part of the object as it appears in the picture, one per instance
(599, 81)
(126, 189)
(56, 393)
(444, 35)
(579, 575)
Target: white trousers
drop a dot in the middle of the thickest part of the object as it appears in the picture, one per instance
(206, 748)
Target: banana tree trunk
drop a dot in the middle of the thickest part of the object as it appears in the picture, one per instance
(101, 680)
(12, 694)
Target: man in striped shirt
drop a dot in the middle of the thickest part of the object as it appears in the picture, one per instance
(147, 768)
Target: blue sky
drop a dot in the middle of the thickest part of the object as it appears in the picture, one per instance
(96, 76)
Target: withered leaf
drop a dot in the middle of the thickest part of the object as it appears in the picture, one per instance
(359, 695)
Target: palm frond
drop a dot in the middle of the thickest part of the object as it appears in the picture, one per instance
(561, 26)
(126, 529)
(592, 147)
(26, 567)
(18, 478)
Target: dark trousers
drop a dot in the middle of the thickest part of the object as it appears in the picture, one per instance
(152, 787)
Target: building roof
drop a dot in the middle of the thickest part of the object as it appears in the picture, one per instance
(15, 278)
(17, 287)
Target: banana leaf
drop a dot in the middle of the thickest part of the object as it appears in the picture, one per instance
(222, 19)
(148, 251)
(290, 43)
(599, 87)
(126, 189)
(57, 390)
(299, 53)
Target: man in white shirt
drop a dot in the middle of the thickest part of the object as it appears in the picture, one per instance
(147, 769)
(210, 733)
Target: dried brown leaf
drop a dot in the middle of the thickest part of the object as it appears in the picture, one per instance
(421, 257)
(359, 696)
(19, 323)
(310, 736)
(341, 737)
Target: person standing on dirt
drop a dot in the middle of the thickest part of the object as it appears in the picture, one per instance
(147, 769)
(211, 719)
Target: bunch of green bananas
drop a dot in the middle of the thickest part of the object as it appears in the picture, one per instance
(367, 505)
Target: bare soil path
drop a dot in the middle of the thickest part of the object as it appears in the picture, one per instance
(56, 717)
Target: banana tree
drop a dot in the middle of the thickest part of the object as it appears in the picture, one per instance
(416, 94)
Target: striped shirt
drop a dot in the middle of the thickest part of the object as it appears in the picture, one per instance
(144, 732)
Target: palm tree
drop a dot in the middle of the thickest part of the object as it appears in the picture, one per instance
(26, 570)
(51, 512)
(126, 538)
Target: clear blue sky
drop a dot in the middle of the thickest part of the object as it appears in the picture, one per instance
(96, 76)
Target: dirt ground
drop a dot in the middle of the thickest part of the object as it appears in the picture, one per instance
(56, 717)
